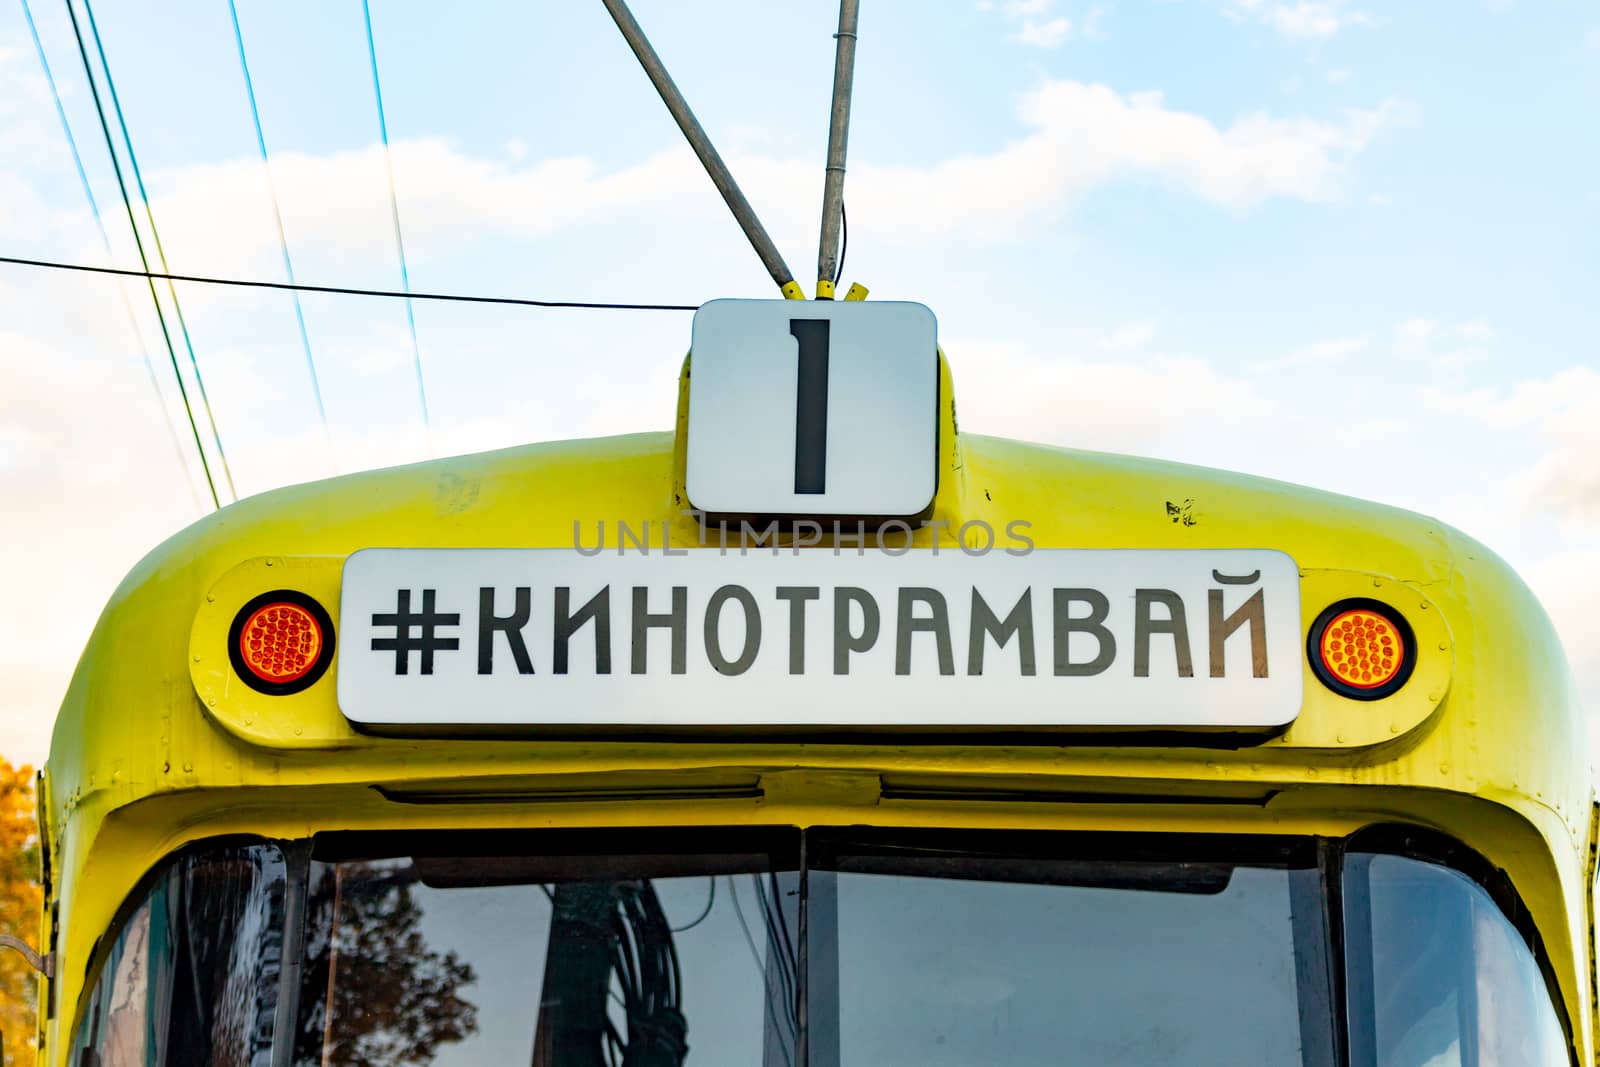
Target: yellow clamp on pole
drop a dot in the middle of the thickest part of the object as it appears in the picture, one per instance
(824, 289)
(792, 291)
(857, 292)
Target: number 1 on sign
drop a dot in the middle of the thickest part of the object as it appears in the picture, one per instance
(811, 407)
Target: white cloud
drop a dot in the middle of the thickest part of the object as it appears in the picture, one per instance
(1444, 346)
(1320, 353)
(1563, 411)
(1338, 76)
(1305, 19)
(1047, 34)
(216, 216)
(1105, 402)
(1133, 335)
(1416, 331)
(1567, 583)
(1092, 24)
(1089, 135)
(91, 481)
(1035, 24)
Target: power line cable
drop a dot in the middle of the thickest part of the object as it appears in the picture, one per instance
(394, 211)
(844, 229)
(127, 204)
(343, 290)
(277, 217)
(105, 239)
(161, 254)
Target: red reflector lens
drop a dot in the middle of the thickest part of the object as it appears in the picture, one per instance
(1362, 648)
(281, 642)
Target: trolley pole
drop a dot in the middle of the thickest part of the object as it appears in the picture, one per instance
(844, 66)
(696, 136)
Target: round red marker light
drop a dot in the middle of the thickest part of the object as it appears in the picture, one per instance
(281, 642)
(1362, 649)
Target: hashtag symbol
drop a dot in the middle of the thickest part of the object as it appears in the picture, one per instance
(402, 644)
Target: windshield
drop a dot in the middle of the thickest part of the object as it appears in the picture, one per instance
(713, 947)
(554, 961)
(984, 958)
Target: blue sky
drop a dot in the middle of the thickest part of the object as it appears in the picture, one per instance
(1350, 245)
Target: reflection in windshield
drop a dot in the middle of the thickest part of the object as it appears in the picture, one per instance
(947, 958)
(192, 977)
(715, 948)
(1439, 977)
(374, 992)
(462, 963)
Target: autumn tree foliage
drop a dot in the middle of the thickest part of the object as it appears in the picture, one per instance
(20, 902)
(391, 1000)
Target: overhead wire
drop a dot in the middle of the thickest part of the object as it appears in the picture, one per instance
(778, 931)
(277, 216)
(761, 968)
(155, 239)
(394, 212)
(127, 203)
(105, 239)
(342, 290)
(711, 898)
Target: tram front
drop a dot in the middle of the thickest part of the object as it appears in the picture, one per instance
(815, 733)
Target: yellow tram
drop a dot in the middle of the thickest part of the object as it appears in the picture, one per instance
(607, 752)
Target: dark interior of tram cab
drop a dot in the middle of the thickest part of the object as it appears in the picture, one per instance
(776, 946)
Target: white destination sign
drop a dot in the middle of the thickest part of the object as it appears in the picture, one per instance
(702, 637)
(813, 407)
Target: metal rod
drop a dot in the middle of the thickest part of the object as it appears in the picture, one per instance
(844, 68)
(696, 136)
(45, 964)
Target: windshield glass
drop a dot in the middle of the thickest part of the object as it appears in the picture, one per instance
(835, 946)
(973, 959)
(553, 961)
(1438, 976)
(912, 949)
(192, 976)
